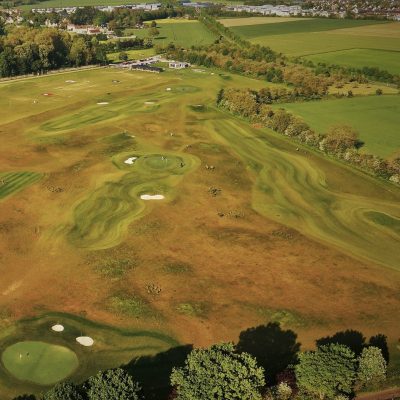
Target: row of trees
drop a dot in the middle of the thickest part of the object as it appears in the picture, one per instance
(340, 141)
(29, 50)
(335, 370)
(256, 61)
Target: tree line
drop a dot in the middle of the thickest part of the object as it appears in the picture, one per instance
(28, 50)
(341, 141)
(265, 364)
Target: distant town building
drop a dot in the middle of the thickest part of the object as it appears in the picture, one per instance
(178, 65)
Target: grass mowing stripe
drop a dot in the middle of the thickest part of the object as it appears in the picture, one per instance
(14, 182)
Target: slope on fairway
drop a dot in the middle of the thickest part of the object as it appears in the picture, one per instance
(294, 191)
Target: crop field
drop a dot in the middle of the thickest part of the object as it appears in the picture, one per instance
(383, 59)
(355, 43)
(145, 191)
(375, 118)
(182, 32)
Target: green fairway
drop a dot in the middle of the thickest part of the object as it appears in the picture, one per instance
(39, 362)
(358, 58)
(13, 182)
(294, 190)
(102, 219)
(181, 32)
(35, 356)
(376, 118)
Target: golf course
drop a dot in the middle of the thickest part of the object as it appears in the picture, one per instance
(137, 217)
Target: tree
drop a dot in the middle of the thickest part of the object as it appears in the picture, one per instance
(371, 367)
(63, 391)
(378, 92)
(153, 24)
(340, 138)
(326, 372)
(218, 373)
(114, 384)
(123, 56)
(154, 32)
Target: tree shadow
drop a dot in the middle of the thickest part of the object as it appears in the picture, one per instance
(380, 341)
(153, 372)
(274, 348)
(25, 397)
(355, 340)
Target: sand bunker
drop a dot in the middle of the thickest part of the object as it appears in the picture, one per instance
(70, 81)
(149, 102)
(152, 197)
(85, 340)
(168, 89)
(47, 94)
(130, 160)
(102, 103)
(57, 328)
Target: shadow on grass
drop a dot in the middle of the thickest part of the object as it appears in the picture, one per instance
(274, 348)
(153, 372)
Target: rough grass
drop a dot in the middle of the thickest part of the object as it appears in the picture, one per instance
(376, 118)
(13, 182)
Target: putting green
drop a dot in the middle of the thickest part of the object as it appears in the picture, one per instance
(39, 362)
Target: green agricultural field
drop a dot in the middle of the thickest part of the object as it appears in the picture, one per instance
(172, 223)
(132, 55)
(356, 43)
(376, 118)
(387, 60)
(13, 182)
(181, 32)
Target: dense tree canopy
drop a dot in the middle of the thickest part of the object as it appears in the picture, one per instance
(327, 372)
(218, 373)
(114, 384)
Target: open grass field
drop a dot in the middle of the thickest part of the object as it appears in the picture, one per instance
(361, 57)
(355, 43)
(375, 118)
(182, 32)
(132, 54)
(128, 227)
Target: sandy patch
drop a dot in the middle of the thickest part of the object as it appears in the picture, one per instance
(47, 94)
(152, 197)
(168, 89)
(70, 81)
(130, 160)
(149, 102)
(102, 103)
(57, 328)
(12, 288)
(85, 340)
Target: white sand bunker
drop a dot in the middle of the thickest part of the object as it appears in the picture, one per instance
(130, 160)
(168, 89)
(102, 103)
(149, 102)
(152, 197)
(57, 328)
(70, 81)
(85, 340)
